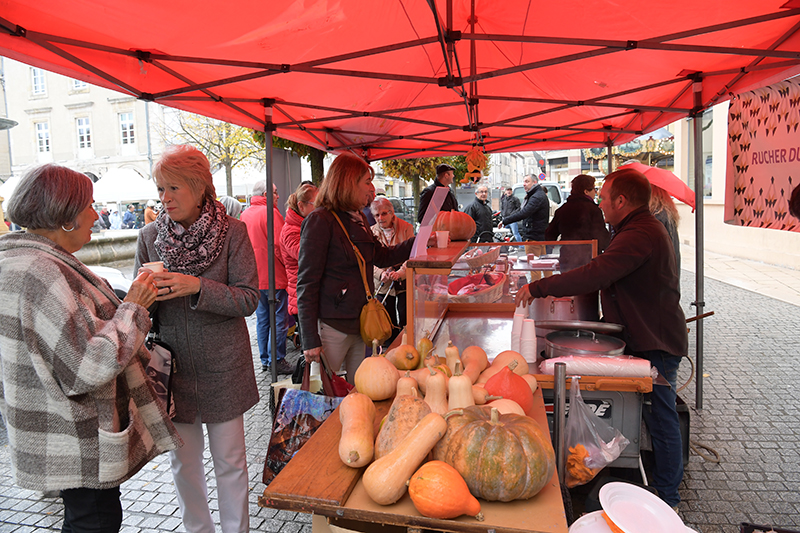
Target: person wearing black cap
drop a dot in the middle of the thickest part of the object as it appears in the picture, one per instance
(444, 177)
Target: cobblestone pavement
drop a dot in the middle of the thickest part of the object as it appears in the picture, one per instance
(750, 416)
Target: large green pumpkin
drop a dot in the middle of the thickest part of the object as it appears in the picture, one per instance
(502, 457)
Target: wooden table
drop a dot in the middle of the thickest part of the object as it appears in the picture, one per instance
(316, 481)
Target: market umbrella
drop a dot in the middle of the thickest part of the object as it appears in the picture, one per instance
(666, 180)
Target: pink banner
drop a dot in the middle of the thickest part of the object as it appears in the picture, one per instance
(763, 157)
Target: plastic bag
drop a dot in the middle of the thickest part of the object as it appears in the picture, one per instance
(592, 444)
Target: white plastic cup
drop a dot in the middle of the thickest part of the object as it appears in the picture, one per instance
(441, 238)
(155, 267)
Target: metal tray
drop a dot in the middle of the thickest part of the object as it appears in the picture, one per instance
(597, 327)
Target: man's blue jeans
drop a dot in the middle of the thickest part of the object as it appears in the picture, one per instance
(263, 324)
(661, 417)
(514, 227)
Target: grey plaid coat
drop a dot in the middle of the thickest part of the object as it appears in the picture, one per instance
(74, 396)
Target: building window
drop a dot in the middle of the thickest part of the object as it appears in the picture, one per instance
(79, 85)
(43, 137)
(84, 133)
(37, 81)
(126, 128)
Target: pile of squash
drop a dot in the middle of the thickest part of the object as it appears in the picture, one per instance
(458, 429)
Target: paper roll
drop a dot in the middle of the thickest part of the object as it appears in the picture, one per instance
(623, 366)
(527, 340)
(516, 331)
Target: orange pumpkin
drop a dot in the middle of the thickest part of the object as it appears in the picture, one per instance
(437, 490)
(511, 387)
(501, 457)
(460, 225)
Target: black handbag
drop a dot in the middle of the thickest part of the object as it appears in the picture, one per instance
(161, 367)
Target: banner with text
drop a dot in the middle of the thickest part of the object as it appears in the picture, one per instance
(763, 157)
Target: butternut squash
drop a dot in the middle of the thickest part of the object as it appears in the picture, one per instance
(501, 361)
(436, 392)
(475, 362)
(385, 479)
(451, 356)
(505, 406)
(459, 390)
(530, 379)
(404, 414)
(405, 385)
(357, 415)
(480, 395)
(422, 375)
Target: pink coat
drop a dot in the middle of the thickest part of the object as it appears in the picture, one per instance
(290, 243)
(255, 217)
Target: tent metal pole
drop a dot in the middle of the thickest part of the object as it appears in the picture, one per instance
(699, 303)
(273, 347)
(609, 146)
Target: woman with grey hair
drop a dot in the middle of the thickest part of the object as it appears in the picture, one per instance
(81, 414)
(232, 206)
(208, 286)
(391, 281)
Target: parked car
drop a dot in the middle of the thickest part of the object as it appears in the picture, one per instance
(404, 209)
(555, 194)
(115, 278)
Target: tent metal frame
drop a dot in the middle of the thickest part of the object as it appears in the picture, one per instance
(538, 123)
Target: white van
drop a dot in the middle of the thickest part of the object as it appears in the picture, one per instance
(555, 194)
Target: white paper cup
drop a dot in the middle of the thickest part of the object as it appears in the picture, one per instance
(441, 238)
(155, 267)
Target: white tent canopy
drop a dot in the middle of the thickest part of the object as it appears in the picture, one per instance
(124, 185)
(244, 177)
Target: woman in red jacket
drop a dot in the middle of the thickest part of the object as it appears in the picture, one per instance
(299, 204)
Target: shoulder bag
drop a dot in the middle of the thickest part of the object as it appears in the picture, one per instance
(375, 321)
(161, 367)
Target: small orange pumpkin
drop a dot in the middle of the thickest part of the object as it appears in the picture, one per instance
(437, 490)
(460, 225)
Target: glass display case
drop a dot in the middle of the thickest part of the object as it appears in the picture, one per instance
(474, 286)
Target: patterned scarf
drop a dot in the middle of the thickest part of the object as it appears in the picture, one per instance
(191, 251)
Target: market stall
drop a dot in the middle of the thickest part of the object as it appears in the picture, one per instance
(316, 481)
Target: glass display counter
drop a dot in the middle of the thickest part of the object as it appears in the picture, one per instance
(480, 278)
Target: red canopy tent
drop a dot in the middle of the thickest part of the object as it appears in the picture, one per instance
(410, 78)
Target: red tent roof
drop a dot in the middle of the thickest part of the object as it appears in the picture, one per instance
(398, 79)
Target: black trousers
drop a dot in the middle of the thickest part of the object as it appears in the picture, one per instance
(92, 510)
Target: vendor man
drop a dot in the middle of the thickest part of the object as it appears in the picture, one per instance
(638, 282)
(444, 178)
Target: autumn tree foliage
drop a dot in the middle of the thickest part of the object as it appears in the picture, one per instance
(416, 171)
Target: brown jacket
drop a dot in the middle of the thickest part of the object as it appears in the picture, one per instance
(638, 283)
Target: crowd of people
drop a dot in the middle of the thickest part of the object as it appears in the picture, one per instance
(83, 384)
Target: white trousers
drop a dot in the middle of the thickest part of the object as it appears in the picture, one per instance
(342, 349)
(226, 443)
